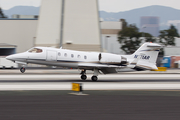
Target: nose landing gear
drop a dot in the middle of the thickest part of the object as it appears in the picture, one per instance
(83, 75)
(22, 69)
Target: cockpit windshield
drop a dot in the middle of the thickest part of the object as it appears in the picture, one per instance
(35, 50)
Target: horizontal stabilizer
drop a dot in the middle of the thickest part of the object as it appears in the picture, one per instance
(145, 66)
(153, 45)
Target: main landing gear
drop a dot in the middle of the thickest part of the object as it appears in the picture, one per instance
(22, 69)
(93, 78)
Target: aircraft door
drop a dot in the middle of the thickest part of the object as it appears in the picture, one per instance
(51, 56)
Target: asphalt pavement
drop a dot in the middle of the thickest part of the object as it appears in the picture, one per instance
(20, 98)
(98, 105)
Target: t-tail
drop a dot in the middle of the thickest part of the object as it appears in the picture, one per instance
(145, 57)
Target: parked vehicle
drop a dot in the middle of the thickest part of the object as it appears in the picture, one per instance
(4, 63)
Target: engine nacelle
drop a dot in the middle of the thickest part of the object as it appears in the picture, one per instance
(112, 59)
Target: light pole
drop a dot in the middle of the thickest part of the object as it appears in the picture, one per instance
(34, 41)
(143, 30)
(106, 43)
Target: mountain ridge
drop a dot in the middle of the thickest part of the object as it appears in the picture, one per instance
(133, 16)
(22, 10)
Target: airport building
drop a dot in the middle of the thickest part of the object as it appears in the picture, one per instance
(150, 24)
(109, 34)
(16, 16)
(18, 32)
(22, 33)
(62, 23)
(71, 24)
(19, 35)
(173, 50)
(68, 24)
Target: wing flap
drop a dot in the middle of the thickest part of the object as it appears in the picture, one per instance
(106, 69)
(94, 65)
(109, 70)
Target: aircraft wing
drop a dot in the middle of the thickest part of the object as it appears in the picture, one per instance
(106, 69)
(95, 65)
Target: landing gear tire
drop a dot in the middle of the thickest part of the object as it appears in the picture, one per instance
(83, 77)
(94, 78)
(22, 70)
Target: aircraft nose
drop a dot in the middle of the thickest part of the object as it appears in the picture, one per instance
(10, 57)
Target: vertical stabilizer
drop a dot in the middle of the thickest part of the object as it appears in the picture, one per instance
(148, 52)
(145, 57)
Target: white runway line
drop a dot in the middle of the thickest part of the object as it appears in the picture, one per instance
(100, 77)
(35, 86)
(91, 85)
(132, 86)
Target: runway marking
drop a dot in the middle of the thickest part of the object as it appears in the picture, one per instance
(22, 82)
(101, 77)
(90, 86)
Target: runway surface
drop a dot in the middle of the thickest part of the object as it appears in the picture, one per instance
(98, 105)
(129, 96)
(105, 82)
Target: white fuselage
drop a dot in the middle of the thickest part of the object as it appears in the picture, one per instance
(65, 58)
(143, 59)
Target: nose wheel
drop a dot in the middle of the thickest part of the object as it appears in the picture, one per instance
(22, 69)
(83, 77)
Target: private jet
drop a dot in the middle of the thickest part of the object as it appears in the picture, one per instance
(142, 59)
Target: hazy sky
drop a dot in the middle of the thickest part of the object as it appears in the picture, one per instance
(106, 5)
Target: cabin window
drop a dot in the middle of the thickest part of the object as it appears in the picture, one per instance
(59, 54)
(85, 57)
(65, 54)
(72, 55)
(35, 50)
(79, 56)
